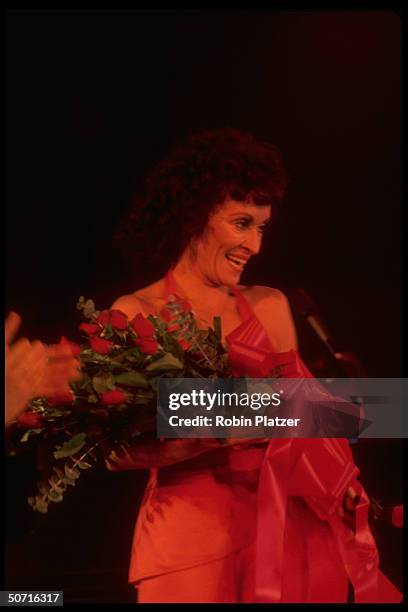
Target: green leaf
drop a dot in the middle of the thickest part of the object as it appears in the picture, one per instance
(84, 383)
(173, 345)
(89, 308)
(84, 465)
(93, 399)
(80, 303)
(31, 501)
(108, 332)
(89, 356)
(41, 505)
(69, 481)
(131, 354)
(38, 402)
(217, 327)
(71, 473)
(71, 447)
(28, 433)
(54, 487)
(54, 496)
(103, 382)
(167, 362)
(54, 412)
(132, 379)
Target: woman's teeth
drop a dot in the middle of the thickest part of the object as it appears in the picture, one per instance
(237, 264)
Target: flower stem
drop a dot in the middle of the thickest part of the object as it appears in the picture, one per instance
(77, 461)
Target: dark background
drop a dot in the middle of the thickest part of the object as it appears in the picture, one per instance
(93, 99)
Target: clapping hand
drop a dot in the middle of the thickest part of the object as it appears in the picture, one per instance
(34, 369)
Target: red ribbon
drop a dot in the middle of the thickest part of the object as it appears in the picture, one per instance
(318, 471)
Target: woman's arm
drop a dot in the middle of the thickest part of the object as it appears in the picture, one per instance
(152, 453)
(156, 454)
(272, 308)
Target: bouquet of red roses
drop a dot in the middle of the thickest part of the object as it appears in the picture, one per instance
(115, 400)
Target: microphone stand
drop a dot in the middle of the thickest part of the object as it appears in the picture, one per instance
(345, 362)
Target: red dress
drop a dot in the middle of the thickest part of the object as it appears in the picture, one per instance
(276, 496)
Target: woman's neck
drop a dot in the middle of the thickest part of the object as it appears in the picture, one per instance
(196, 286)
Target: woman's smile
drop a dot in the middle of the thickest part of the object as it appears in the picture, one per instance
(232, 237)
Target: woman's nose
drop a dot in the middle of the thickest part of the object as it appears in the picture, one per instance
(252, 241)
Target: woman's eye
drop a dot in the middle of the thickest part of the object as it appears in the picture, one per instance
(242, 223)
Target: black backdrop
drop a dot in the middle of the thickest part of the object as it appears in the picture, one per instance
(93, 99)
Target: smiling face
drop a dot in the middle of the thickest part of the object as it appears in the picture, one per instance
(233, 235)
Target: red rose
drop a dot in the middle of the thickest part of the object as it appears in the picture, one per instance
(142, 326)
(167, 315)
(184, 343)
(100, 345)
(173, 327)
(89, 328)
(397, 516)
(61, 399)
(103, 317)
(148, 346)
(113, 397)
(118, 319)
(75, 348)
(185, 306)
(31, 420)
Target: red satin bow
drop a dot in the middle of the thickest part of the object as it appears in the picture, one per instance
(319, 471)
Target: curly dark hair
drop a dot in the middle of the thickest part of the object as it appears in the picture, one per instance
(196, 177)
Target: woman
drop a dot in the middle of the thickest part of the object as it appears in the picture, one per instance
(197, 537)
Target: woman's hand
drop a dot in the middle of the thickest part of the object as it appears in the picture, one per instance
(34, 369)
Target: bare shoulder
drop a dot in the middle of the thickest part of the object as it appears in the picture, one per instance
(259, 294)
(129, 304)
(272, 308)
(147, 300)
(266, 298)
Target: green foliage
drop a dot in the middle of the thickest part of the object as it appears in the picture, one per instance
(60, 479)
(71, 447)
(87, 307)
(71, 433)
(132, 379)
(166, 363)
(172, 345)
(217, 328)
(103, 381)
(30, 432)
